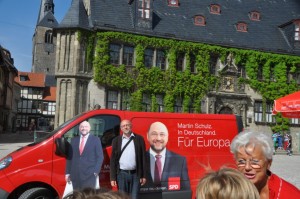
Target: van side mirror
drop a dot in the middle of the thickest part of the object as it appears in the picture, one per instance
(63, 147)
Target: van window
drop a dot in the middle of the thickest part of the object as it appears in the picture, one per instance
(106, 127)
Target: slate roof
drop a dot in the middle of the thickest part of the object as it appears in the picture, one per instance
(76, 17)
(50, 80)
(46, 18)
(177, 22)
(48, 21)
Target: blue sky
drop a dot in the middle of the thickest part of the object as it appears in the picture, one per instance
(18, 19)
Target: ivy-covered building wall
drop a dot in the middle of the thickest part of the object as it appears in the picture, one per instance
(140, 65)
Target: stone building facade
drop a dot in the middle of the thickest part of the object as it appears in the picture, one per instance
(44, 40)
(9, 92)
(243, 26)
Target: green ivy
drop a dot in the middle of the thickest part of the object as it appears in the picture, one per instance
(187, 85)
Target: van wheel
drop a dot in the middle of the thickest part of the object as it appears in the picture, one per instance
(37, 193)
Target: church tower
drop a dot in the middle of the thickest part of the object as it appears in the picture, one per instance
(44, 40)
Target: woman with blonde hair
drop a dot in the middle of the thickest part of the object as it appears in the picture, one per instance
(224, 184)
(91, 193)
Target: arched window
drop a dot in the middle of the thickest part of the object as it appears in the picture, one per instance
(226, 110)
(297, 30)
(199, 20)
(215, 9)
(48, 37)
(254, 16)
(174, 3)
(242, 27)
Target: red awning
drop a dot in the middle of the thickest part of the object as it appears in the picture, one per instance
(288, 106)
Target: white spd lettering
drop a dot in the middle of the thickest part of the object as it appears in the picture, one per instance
(173, 187)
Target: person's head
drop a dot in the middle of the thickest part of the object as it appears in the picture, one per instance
(253, 154)
(225, 183)
(90, 193)
(158, 136)
(126, 127)
(84, 128)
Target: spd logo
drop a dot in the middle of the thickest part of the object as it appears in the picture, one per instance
(173, 183)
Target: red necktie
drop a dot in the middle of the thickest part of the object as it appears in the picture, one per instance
(81, 147)
(157, 170)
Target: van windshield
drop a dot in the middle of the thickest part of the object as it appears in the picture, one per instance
(40, 137)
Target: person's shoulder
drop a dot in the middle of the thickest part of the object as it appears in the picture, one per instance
(115, 139)
(286, 186)
(138, 136)
(173, 154)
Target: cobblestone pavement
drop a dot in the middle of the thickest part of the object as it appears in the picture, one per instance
(287, 167)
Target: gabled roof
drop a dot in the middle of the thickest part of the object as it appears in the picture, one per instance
(49, 94)
(33, 80)
(48, 21)
(46, 15)
(177, 22)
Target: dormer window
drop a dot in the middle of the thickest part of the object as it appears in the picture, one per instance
(144, 9)
(297, 31)
(23, 78)
(242, 27)
(173, 3)
(215, 9)
(199, 20)
(254, 16)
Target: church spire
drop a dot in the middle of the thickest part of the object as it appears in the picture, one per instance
(46, 7)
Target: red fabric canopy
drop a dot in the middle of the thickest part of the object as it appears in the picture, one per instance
(288, 106)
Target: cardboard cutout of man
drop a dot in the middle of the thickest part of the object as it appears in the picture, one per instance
(86, 159)
(173, 172)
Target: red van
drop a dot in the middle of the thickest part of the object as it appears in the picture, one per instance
(38, 169)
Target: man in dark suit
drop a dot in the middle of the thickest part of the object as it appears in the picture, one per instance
(86, 157)
(172, 167)
(127, 168)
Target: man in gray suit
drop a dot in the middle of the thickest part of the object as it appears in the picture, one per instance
(173, 167)
(85, 160)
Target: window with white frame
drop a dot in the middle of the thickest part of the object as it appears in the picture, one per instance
(295, 121)
(148, 57)
(128, 52)
(144, 9)
(112, 100)
(269, 116)
(178, 105)
(258, 111)
(173, 3)
(160, 103)
(297, 32)
(146, 102)
(114, 53)
(161, 59)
